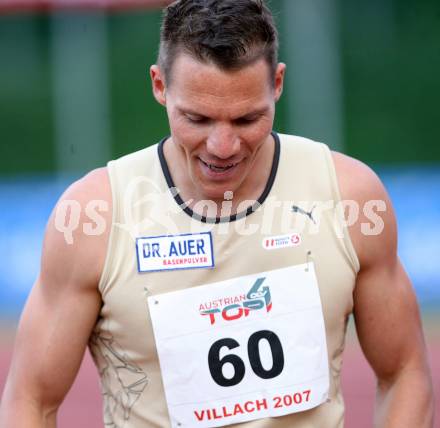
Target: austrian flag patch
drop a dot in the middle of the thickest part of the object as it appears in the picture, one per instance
(281, 241)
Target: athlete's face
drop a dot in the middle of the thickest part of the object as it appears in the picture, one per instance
(220, 122)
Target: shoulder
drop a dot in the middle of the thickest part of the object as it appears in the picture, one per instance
(94, 184)
(368, 211)
(77, 232)
(356, 179)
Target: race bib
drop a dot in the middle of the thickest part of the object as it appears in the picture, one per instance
(243, 349)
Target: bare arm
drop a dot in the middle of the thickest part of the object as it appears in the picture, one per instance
(386, 312)
(58, 317)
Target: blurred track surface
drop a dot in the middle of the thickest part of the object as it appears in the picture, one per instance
(83, 404)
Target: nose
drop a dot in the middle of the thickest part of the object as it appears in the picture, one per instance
(223, 142)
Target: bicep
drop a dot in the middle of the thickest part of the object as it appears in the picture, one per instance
(51, 340)
(385, 307)
(387, 319)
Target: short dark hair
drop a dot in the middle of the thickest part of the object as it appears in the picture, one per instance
(228, 33)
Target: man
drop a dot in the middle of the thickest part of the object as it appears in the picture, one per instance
(201, 303)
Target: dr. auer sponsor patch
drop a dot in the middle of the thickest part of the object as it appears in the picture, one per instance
(169, 252)
(281, 241)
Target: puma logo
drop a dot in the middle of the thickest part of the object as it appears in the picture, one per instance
(296, 209)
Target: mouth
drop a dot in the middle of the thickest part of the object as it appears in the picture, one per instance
(219, 168)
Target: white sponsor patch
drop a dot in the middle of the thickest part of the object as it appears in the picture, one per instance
(281, 241)
(186, 251)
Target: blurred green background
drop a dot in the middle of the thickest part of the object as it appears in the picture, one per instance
(388, 55)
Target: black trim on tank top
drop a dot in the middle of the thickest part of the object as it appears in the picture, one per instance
(233, 217)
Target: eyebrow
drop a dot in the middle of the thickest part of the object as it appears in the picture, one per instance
(257, 112)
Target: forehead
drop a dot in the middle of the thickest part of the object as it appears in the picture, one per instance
(197, 82)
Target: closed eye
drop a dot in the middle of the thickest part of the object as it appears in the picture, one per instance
(196, 118)
(246, 120)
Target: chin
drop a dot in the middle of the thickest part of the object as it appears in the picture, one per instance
(215, 188)
(217, 194)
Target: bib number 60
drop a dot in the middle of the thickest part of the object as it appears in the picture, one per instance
(216, 363)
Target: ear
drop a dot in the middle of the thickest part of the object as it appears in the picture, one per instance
(279, 80)
(158, 84)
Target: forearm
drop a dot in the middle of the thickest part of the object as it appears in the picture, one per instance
(24, 412)
(405, 402)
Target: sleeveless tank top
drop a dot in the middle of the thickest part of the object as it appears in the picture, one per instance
(145, 204)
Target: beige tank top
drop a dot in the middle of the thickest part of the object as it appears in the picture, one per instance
(301, 195)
